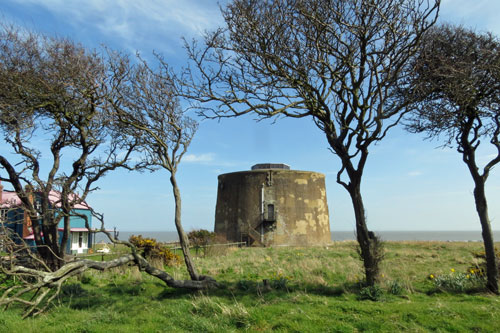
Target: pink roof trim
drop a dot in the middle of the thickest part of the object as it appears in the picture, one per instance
(11, 199)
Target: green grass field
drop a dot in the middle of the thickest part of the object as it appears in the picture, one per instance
(284, 290)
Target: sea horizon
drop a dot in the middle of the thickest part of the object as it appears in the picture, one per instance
(386, 235)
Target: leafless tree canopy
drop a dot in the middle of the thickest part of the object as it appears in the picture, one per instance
(71, 116)
(457, 79)
(335, 61)
(149, 108)
(54, 103)
(150, 111)
(454, 90)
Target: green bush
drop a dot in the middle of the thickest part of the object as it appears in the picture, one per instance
(395, 287)
(457, 281)
(87, 279)
(200, 239)
(371, 293)
(73, 290)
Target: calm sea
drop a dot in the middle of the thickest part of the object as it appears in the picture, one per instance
(471, 236)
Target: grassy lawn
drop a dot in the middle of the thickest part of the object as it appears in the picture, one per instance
(280, 289)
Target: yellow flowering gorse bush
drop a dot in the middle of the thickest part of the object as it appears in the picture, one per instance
(151, 249)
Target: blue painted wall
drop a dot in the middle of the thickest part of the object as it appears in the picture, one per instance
(77, 221)
(15, 218)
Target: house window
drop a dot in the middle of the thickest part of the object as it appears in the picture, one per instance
(38, 208)
(79, 241)
(270, 212)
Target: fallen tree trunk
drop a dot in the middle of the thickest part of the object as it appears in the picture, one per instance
(37, 285)
(41, 283)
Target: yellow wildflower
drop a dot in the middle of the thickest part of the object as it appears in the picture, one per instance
(431, 276)
(467, 276)
(452, 270)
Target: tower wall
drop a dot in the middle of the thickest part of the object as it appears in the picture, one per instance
(273, 207)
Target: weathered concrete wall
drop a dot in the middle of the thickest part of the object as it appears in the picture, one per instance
(247, 200)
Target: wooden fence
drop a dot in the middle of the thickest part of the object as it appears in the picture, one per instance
(173, 246)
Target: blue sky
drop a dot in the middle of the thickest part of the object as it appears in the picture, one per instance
(409, 184)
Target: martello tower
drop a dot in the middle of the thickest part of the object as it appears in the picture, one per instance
(273, 205)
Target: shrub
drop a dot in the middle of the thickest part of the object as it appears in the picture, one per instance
(458, 281)
(199, 239)
(473, 278)
(371, 293)
(152, 250)
(73, 290)
(396, 287)
(279, 281)
(87, 279)
(245, 284)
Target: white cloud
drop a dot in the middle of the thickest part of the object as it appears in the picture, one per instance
(202, 158)
(137, 21)
(415, 173)
(477, 14)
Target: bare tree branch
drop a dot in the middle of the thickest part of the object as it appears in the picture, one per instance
(454, 92)
(58, 92)
(338, 62)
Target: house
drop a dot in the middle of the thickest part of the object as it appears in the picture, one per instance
(18, 222)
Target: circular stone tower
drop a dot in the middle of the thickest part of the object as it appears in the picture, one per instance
(273, 205)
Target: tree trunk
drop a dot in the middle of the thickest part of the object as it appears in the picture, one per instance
(46, 243)
(56, 258)
(468, 151)
(50, 256)
(489, 245)
(366, 238)
(180, 231)
(65, 235)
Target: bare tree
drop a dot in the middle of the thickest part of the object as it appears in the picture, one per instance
(55, 91)
(455, 87)
(334, 61)
(37, 285)
(149, 109)
(54, 106)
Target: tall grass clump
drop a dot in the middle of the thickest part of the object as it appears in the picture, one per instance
(234, 314)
